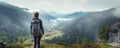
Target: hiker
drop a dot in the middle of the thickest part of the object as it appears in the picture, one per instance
(36, 29)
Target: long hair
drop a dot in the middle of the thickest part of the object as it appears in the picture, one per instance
(36, 15)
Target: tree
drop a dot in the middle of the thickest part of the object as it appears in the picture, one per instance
(103, 33)
(20, 39)
(78, 41)
(84, 42)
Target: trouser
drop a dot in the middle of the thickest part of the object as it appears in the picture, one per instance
(37, 40)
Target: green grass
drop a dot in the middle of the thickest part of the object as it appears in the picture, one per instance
(59, 45)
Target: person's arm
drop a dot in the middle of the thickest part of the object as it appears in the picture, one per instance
(41, 26)
(31, 28)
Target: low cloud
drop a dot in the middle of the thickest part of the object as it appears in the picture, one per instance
(65, 6)
(117, 11)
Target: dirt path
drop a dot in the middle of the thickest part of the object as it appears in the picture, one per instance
(30, 46)
(33, 46)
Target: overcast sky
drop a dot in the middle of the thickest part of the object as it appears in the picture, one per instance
(65, 6)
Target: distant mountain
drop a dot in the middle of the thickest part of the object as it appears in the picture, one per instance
(46, 18)
(13, 21)
(75, 14)
(57, 20)
(86, 25)
(53, 20)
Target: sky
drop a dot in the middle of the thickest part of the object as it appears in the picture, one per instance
(64, 6)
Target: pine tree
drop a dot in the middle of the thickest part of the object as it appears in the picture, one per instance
(103, 33)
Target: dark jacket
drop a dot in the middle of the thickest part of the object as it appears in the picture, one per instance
(41, 25)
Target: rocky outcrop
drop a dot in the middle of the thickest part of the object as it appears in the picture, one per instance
(114, 35)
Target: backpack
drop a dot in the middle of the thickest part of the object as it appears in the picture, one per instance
(36, 30)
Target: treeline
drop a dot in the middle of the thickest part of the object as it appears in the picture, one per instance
(103, 33)
(12, 37)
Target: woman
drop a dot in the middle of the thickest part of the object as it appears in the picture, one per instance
(36, 29)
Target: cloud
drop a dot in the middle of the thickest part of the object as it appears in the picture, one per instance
(64, 19)
(39, 5)
(66, 6)
(32, 5)
(55, 22)
(117, 11)
(61, 19)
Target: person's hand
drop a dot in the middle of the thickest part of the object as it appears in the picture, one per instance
(42, 35)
